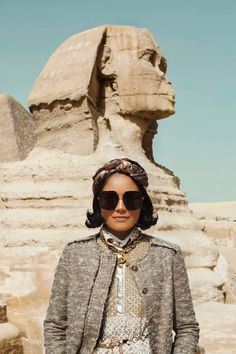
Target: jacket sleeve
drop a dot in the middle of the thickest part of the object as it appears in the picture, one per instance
(185, 325)
(55, 323)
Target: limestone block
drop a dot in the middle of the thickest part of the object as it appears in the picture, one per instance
(54, 177)
(52, 238)
(67, 127)
(10, 335)
(21, 269)
(16, 130)
(32, 326)
(19, 283)
(218, 220)
(3, 313)
(217, 327)
(8, 331)
(224, 232)
(203, 252)
(198, 249)
(226, 270)
(229, 254)
(10, 339)
(206, 285)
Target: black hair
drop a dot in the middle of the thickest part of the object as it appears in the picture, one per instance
(146, 218)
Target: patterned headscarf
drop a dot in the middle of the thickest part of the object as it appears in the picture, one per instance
(125, 166)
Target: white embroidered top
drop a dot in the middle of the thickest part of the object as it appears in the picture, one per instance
(124, 327)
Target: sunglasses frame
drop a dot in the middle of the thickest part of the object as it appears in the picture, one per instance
(123, 199)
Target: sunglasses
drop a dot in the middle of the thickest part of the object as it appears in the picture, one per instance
(109, 199)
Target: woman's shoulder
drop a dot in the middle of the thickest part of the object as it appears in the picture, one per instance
(159, 242)
(82, 240)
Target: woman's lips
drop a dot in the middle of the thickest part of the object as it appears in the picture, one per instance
(120, 218)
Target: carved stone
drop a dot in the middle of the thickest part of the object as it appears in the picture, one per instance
(98, 83)
(16, 130)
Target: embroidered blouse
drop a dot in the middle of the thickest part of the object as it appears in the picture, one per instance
(124, 327)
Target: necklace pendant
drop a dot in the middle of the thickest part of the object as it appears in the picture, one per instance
(122, 259)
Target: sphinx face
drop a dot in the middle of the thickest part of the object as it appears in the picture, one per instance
(142, 85)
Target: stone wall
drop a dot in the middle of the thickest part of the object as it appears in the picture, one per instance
(10, 336)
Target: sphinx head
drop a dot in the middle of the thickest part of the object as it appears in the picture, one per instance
(133, 74)
(114, 67)
(110, 72)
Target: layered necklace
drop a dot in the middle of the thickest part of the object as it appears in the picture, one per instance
(121, 252)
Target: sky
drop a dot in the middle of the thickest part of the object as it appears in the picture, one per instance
(198, 143)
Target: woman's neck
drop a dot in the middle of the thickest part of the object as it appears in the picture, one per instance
(121, 235)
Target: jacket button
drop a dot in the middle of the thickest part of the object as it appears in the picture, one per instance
(145, 290)
(134, 268)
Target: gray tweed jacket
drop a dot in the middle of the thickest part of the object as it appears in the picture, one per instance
(80, 289)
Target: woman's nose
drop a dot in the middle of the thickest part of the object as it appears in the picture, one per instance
(120, 205)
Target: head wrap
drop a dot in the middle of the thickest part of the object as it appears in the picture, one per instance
(125, 166)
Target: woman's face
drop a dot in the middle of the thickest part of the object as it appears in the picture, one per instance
(120, 220)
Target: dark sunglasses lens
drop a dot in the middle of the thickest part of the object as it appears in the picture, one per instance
(133, 200)
(108, 200)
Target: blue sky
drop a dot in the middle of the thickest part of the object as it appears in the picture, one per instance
(198, 38)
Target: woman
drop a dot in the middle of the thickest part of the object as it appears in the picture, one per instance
(121, 291)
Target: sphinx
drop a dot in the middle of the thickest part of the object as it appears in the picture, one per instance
(103, 87)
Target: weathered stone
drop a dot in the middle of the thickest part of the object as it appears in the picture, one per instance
(10, 335)
(10, 339)
(218, 327)
(206, 285)
(16, 130)
(3, 313)
(227, 272)
(199, 250)
(111, 78)
(218, 221)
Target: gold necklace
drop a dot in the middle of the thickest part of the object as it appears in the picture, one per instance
(122, 252)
